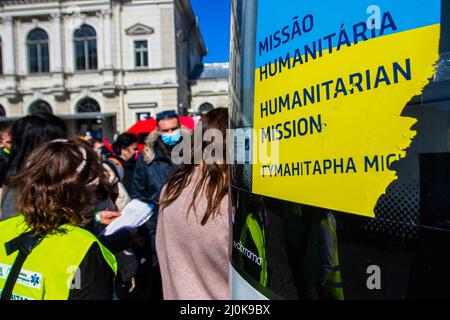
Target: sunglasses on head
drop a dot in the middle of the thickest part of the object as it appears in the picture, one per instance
(162, 115)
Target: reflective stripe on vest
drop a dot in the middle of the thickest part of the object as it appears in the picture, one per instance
(50, 271)
(334, 281)
(258, 237)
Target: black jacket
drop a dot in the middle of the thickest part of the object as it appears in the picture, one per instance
(149, 179)
(128, 176)
(97, 278)
(153, 170)
(4, 156)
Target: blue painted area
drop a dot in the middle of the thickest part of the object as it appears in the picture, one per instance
(329, 15)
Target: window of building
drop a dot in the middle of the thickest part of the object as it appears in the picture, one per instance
(88, 105)
(38, 57)
(141, 53)
(85, 42)
(40, 106)
(2, 112)
(205, 108)
(143, 116)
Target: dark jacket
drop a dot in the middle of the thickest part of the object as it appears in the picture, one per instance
(7, 204)
(4, 156)
(153, 170)
(97, 278)
(128, 174)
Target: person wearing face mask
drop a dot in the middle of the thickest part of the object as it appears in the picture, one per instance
(153, 170)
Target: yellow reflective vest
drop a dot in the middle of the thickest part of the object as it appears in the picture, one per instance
(334, 281)
(51, 268)
(258, 237)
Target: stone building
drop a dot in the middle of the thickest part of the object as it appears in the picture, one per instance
(100, 64)
(209, 87)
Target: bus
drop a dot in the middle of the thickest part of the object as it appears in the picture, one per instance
(340, 177)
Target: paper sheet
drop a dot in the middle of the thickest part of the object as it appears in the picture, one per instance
(134, 215)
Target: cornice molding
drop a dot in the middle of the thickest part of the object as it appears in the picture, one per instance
(139, 29)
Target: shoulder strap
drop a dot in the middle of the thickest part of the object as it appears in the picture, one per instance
(116, 161)
(25, 243)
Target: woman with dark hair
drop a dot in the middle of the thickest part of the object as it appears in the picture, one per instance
(30, 131)
(26, 134)
(58, 187)
(193, 225)
(125, 146)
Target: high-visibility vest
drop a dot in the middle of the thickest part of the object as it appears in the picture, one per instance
(334, 282)
(259, 239)
(50, 270)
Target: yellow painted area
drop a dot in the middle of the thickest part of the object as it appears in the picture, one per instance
(363, 124)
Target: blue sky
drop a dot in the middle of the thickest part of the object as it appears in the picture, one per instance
(214, 20)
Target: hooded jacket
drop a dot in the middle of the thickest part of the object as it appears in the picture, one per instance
(153, 170)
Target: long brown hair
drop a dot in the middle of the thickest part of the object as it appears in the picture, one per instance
(213, 180)
(60, 183)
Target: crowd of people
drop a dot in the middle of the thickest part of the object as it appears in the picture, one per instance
(59, 193)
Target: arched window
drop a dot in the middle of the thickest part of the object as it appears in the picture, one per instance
(88, 105)
(38, 58)
(2, 112)
(85, 42)
(205, 108)
(40, 106)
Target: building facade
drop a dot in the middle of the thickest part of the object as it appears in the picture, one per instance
(99, 64)
(209, 87)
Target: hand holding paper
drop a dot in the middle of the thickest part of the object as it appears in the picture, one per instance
(134, 215)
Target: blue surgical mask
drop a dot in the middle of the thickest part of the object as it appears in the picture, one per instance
(171, 139)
